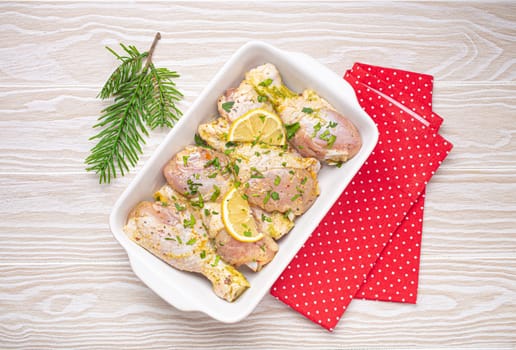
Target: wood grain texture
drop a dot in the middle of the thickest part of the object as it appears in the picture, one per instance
(66, 283)
(106, 305)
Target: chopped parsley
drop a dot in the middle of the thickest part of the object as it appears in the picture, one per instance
(227, 106)
(266, 218)
(200, 142)
(296, 196)
(179, 207)
(179, 240)
(267, 197)
(191, 241)
(305, 179)
(189, 223)
(244, 196)
(206, 212)
(277, 180)
(216, 193)
(292, 129)
(332, 124)
(331, 140)
(203, 254)
(307, 110)
(236, 168)
(275, 195)
(317, 127)
(185, 160)
(266, 82)
(193, 187)
(212, 175)
(216, 262)
(215, 162)
(199, 203)
(262, 98)
(256, 174)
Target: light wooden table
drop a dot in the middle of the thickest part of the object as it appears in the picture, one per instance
(66, 283)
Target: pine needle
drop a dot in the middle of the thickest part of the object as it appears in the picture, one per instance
(143, 97)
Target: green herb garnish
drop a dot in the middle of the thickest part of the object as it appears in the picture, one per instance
(189, 223)
(227, 106)
(307, 110)
(200, 142)
(266, 82)
(215, 162)
(266, 218)
(331, 140)
(216, 193)
(217, 259)
(262, 98)
(179, 207)
(292, 129)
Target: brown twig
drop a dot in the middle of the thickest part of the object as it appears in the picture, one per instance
(151, 50)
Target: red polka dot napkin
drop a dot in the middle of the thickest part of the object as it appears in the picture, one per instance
(368, 245)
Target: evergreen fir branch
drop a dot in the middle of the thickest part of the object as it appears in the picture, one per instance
(162, 110)
(144, 96)
(129, 69)
(120, 141)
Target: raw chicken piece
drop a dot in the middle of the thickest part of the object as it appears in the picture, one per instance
(177, 237)
(283, 190)
(323, 133)
(254, 255)
(274, 224)
(198, 172)
(238, 101)
(275, 179)
(215, 133)
(260, 167)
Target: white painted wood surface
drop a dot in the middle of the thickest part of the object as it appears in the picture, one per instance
(66, 283)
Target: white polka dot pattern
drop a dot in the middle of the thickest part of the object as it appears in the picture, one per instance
(368, 245)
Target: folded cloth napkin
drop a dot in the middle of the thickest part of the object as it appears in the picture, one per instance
(368, 244)
(403, 249)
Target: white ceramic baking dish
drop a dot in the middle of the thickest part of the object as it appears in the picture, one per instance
(188, 291)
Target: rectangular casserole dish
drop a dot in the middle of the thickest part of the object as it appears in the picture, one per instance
(191, 292)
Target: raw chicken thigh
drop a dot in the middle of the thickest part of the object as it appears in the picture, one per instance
(322, 132)
(207, 174)
(172, 231)
(275, 179)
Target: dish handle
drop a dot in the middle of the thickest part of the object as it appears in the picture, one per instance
(179, 301)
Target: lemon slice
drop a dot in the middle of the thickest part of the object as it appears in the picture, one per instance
(237, 218)
(258, 125)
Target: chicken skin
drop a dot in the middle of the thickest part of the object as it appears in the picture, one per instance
(206, 175)
(322, 132)
(274, 179)
(197, 172)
